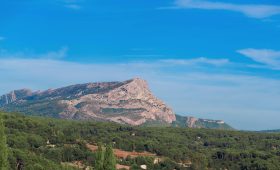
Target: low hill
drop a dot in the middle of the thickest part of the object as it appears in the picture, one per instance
(271, 131)
(192, 122)
(46, 143)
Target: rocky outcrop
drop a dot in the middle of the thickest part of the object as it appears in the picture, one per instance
(129, 102)
(192, 122)
(15, 95)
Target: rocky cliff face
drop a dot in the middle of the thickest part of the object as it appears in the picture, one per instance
(129, 102)
(192, 122)
(14, 96)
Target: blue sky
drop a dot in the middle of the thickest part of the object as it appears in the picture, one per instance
(211, 59)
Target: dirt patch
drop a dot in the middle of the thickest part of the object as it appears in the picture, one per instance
(118, 166)
(76, 164)
(123, 154)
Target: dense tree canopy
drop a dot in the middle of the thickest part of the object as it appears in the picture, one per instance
(99, 159)
(42, 142)
(3, 147)
(109, 159)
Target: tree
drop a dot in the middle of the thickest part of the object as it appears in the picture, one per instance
(3, 147)
(109, 159)
(99, 159)
(199, 161)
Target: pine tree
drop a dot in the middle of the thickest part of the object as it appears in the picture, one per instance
(3, 147)
(99, 159)
(109, 159)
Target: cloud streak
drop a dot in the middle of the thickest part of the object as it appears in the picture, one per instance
(197, 61)
(73, 6)
(258, 11)
(267, 57)
(59, 54)
(210, 95)
(2, 38)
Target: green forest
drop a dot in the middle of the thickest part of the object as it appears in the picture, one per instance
(37, 143)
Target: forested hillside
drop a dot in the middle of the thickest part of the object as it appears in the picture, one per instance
(45, 143)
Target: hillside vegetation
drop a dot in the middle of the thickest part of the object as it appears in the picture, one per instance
(44, 143)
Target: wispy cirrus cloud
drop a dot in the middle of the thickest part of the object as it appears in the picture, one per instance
(59, 54)
(267, 57)
(197, 93)
(72, 4)
(258, 11)
(200, 92)
(195, 61)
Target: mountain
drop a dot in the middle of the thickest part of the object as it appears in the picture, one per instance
(192, 122)
(270, 131)
(128, 102)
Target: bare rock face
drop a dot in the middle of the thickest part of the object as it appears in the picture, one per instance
(14, 96)
(191, 122)
(129, 102)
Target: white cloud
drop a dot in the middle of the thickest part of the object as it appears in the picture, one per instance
(71, 1)
(195, 61)
(55, 54)
(238, 99)
(73, 6)
(267, 57)
(59, 54)
(251, 10)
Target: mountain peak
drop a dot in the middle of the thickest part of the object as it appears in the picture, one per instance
(138, 82)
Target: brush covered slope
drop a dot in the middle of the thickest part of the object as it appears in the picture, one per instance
(130, 102)
(47, 143)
